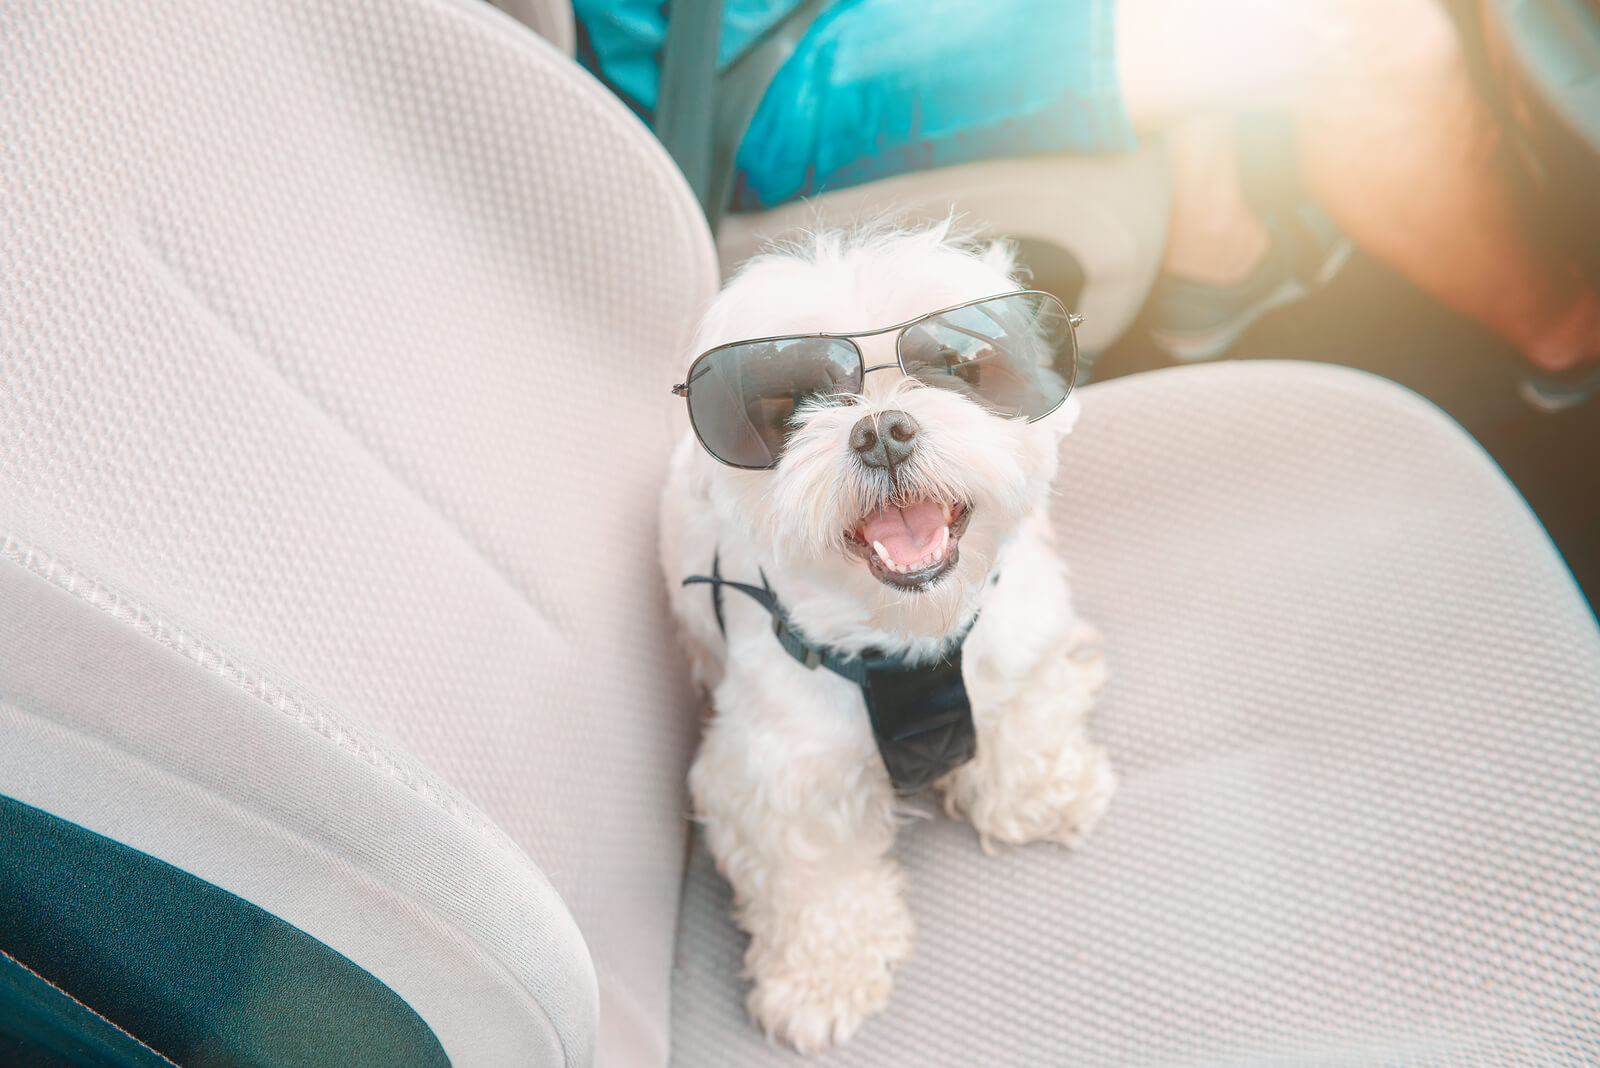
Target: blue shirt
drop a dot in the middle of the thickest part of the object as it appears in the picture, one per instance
(882, 87)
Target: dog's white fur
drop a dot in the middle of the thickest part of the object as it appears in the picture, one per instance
(797, 807)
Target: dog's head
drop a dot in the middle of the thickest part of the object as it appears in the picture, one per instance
(887, 509)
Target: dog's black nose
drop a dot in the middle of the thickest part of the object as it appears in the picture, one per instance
(885, 439)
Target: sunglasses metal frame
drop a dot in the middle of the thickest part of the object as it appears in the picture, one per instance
(682, 389)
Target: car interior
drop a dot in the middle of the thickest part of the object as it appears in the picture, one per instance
(342, 720)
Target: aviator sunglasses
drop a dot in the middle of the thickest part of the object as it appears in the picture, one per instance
(1015, 354)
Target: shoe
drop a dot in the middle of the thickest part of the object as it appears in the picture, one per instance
(1194, 321)
(1551, 393)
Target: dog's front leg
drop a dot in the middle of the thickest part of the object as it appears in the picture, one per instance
(799, 814)
(1033, 674)
(1037, 775)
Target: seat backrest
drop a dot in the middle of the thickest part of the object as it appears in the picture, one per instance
(550, 19)
(335, 342)
(1105, 216)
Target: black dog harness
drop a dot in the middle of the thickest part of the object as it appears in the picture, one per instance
(920, 713)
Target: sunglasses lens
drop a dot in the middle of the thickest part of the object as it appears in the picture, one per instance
(742, 398)
(1016, 354)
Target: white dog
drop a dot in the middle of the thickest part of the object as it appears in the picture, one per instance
(904, 496)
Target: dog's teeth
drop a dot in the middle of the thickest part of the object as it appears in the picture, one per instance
(938, 554)
(944, 539)
(883, 554)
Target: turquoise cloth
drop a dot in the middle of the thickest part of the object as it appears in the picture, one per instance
(883, 87)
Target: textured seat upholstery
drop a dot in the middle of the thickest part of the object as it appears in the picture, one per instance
(550, 19)
(1355, 704)
(334, 341)
(322, 573)
(1109, 213)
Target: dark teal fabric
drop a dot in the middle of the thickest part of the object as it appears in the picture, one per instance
(43, 1027)
(200, 975)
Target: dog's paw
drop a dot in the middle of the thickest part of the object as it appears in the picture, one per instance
(1061, 807)
(1086, 649)
(816, 992)
(1091, 797)
(814, 1011)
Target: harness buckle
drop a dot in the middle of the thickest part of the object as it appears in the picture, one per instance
(809, 655)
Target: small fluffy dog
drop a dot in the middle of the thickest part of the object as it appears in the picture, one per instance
(865, 518)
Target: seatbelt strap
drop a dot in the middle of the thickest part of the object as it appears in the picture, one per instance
(740, 90)
(686, 93)
(702, 116)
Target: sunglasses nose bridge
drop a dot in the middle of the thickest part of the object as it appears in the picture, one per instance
(879, 352)
(877, 348)
(884, 391)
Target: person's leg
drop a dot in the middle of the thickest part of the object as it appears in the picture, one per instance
(1214, 238)
(1392, 141)
(1229, 261)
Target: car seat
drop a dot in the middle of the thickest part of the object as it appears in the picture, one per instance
(342, 721)
(1091, 228)
(551, 19)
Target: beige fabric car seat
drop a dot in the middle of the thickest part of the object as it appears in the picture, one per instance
(1355, 707)
(551, 19)
(334, 346)
(334, 352)
(1109, 213)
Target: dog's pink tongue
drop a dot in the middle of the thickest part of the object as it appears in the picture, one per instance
(906, 532)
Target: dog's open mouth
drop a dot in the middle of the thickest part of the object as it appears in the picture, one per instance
(912, 544)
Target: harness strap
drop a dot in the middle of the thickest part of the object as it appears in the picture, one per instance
(921, 716)
(763, 596)
(811, 656)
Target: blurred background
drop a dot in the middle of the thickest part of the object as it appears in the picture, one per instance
(866, 107)
(1375, 319)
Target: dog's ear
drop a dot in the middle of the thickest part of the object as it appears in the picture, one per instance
(1001, 258)
(1064, 418)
